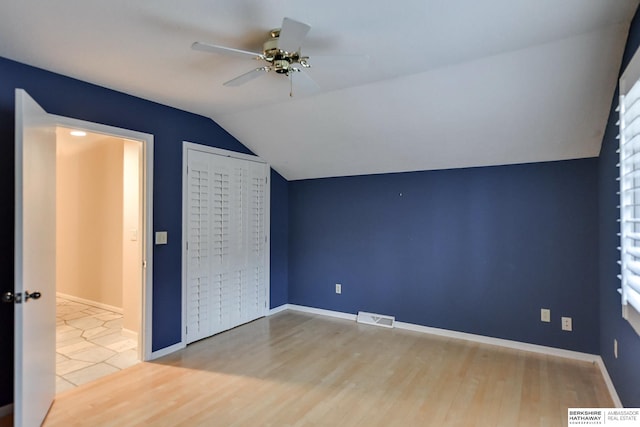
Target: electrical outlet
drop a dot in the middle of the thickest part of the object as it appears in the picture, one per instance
(615, 348)
(338, 288)
(566, 324)
(545, 315)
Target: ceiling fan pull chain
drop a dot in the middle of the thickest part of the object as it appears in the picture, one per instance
(290, 85)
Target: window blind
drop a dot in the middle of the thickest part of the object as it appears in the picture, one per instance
(629, 152)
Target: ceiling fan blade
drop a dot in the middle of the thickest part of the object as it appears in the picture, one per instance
(303, 83)
(206, 47)
(351, 62)
(291, 35)
(246, 77)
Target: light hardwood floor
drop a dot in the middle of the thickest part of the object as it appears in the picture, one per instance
(296, 369)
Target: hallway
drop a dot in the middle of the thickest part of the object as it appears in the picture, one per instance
(89, 344)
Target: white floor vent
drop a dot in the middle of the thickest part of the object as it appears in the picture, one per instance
(375, 319)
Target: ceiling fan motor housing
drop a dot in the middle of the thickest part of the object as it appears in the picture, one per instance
(281, 66)
(280, 60)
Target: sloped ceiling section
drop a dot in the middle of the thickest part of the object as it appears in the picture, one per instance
(421, 85)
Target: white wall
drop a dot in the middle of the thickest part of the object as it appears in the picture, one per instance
(132, 237)
(90, 219)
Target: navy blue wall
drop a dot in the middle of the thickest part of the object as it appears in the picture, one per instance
(279, 240)
(624, 371)
(68, 97)
(474, 250)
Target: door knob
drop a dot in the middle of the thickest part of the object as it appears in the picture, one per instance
(33, 295)
(17, 298)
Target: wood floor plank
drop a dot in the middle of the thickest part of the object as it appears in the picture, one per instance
(296, 369)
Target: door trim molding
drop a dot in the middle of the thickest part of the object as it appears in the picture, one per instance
(186, 146)
(147, 201)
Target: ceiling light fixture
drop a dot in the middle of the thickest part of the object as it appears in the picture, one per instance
(78, 133)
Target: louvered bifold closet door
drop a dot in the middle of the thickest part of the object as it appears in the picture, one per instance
(199, 256)
(226, 244)
(254, 285)
(248, 223)
(236, 236)
(245, 290)
(221, 238)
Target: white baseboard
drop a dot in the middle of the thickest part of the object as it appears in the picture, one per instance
(517, 345)
(278, 309)
(330, 313)
(167, 350)
(609, 383)
(6, 410)
(90, 302)
(130, 334)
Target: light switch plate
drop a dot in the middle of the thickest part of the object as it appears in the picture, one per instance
(545, 315)
(161, 237)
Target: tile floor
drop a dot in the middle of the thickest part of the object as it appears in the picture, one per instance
(89, 344)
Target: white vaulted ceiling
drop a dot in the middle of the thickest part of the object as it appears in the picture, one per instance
(435, 84)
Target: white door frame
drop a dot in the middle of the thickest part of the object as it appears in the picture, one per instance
(186, 146)
(144, 340)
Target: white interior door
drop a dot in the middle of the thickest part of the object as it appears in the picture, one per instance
(226, 252)
(35, 263)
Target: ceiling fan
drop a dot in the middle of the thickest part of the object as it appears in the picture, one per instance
(281, 52)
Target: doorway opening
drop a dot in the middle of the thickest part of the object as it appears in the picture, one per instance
(99, 258)
(35, 252)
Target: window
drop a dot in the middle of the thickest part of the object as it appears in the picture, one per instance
(629, 109)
